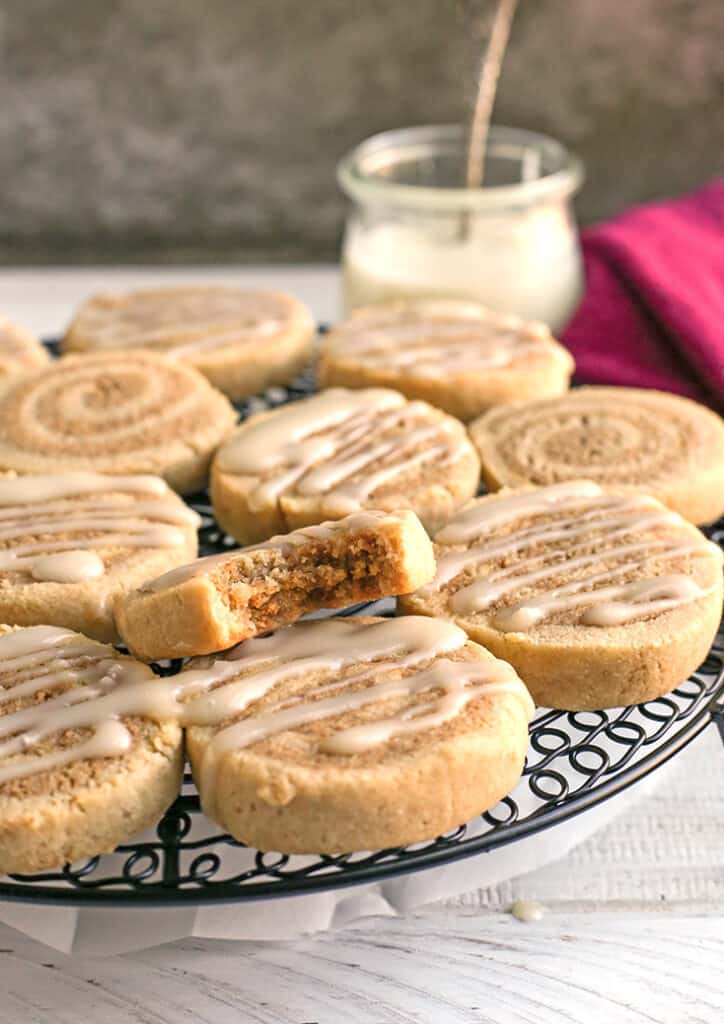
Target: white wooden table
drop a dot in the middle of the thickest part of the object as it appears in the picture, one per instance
(634, 923)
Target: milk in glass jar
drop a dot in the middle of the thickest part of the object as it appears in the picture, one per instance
(415, 230)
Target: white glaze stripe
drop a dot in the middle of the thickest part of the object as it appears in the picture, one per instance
(580, 539)
(40, 507)
(430, 339)
(236, 336)
(452, 564)
(606, 606)
(322, 446)
(23, 490)
(183, 321)
(41, 658)
(162, 510)
(116, 519)
(444, 675)
(482, 517)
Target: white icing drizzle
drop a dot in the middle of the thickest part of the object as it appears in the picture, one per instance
(478, 519)
(213, 693)
(185, 320)
(41, 506)
(432, 338)
(322, 446)
(245, 335)
(24, 490)
(67, 567)
(285, 542)
(586, 509)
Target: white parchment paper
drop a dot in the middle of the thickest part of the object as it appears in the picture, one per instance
(106, 930)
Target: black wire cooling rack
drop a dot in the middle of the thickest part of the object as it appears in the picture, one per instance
(575, 761)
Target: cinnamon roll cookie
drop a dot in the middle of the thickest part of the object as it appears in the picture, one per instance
(339, 452)
(353, 734)
(71, 543)
(117, 412)
(645, 441)
(243, 340)
(217, 601)
(90, 753)
(459, 356)
(19, 349)
(597, 598)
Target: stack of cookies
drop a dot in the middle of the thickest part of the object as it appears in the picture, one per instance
(582, 583)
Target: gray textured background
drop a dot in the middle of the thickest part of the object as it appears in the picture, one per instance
(144, 130)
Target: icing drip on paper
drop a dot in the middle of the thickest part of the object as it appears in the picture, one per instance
(527, 911)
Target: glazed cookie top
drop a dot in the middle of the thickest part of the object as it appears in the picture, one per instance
(19, 349)
(343, 445)
(77, 527)
(431, 338)
(110, 413)
(185, 321)
(607, 434)
(361, 689)
(572, 554)
(60, 706)
(346, 687)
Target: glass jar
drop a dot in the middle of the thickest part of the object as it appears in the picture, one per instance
(412, 230)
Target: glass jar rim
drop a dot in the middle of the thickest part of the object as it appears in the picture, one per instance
(364, 185)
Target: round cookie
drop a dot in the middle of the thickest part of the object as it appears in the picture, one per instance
(78, 775)
(19, 349)
(242, 340)
(644, 441)
(598, 598)
(355, 734)
(116, 413)
(336, 453)
(72, 543)
(459, 356)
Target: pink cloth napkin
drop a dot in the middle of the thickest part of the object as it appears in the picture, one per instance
(653, 312)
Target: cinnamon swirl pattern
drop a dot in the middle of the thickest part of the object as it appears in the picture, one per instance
(19, 349)
(71, 544)
(114, 413)
(459, 356)
(325, 736)
(598, 598)
(645, 441)
(243, 340)
(339, 452)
